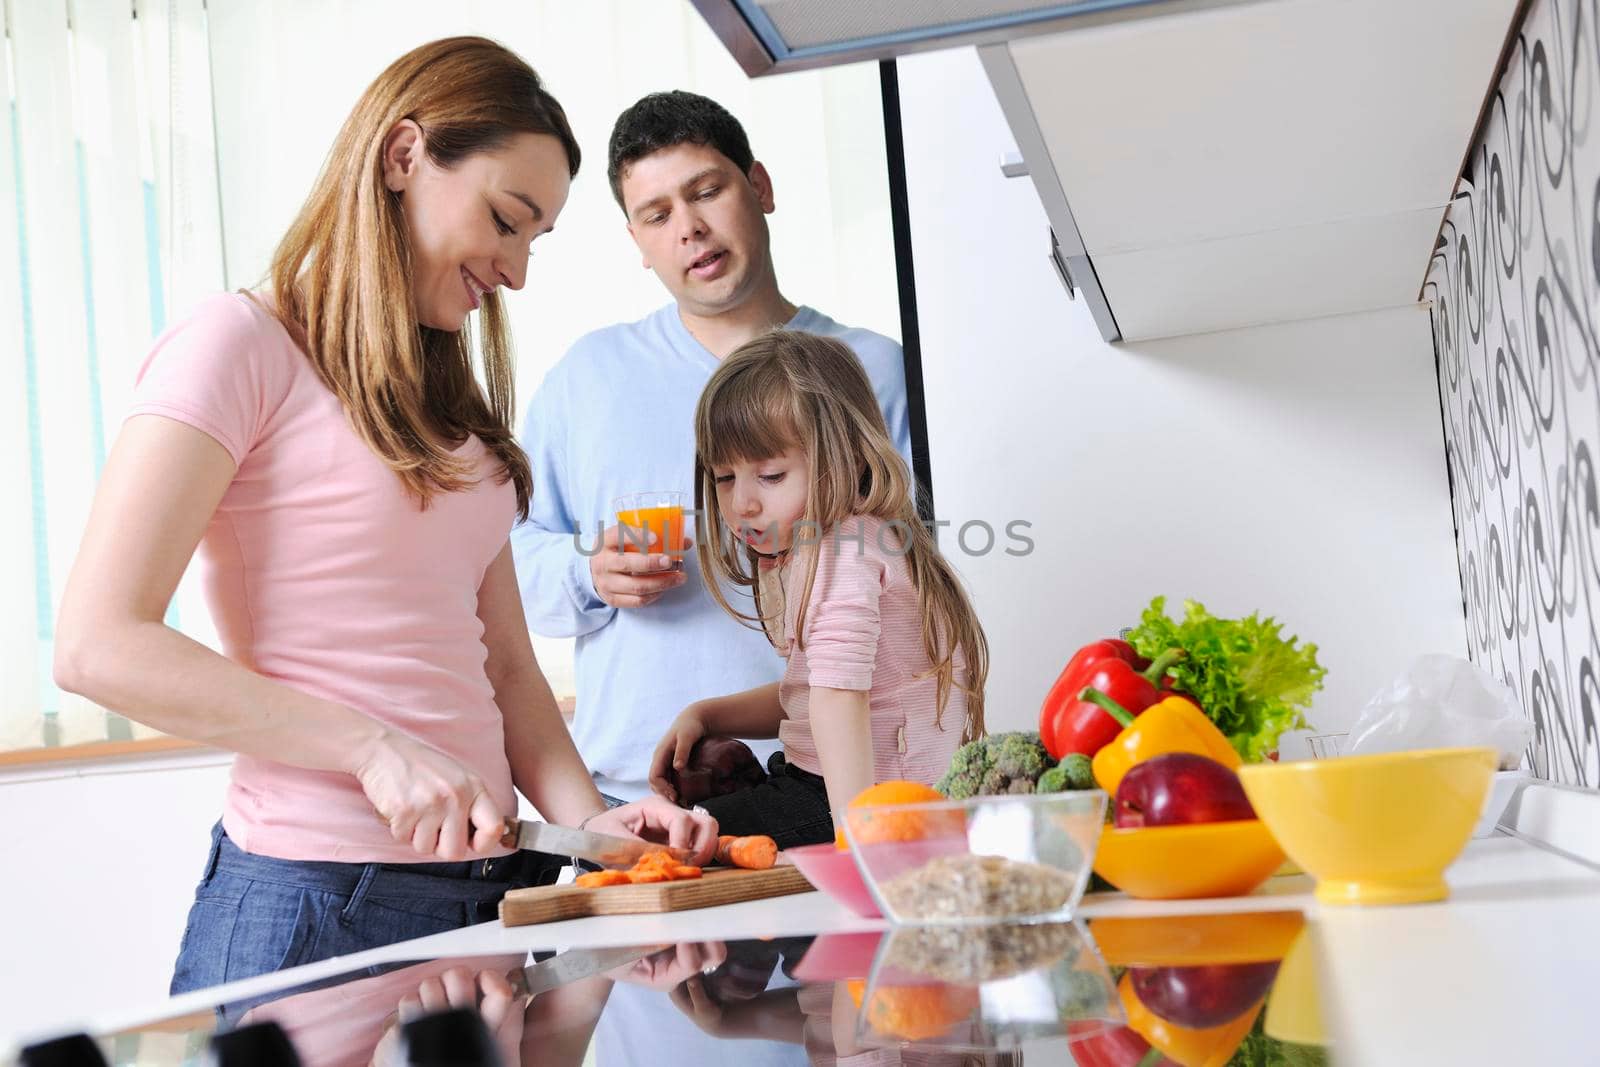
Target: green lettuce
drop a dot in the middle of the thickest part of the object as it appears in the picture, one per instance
(1251, 681)
(1259, 1050)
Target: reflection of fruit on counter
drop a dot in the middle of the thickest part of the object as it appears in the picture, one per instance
(1185, 1045)
(916, 1012)
(1204, 996)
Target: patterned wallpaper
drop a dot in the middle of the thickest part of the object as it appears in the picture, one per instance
(1515, 285)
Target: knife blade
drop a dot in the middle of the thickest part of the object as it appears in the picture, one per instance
(575, 965)
(604, 849)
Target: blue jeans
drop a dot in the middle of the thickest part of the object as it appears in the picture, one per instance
(257, 914)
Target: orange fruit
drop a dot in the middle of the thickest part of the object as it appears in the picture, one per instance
(890, 825)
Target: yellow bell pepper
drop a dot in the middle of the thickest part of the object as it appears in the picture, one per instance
(1176, 724)
(1185, 1046)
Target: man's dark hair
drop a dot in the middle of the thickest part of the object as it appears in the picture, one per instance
(662, 120)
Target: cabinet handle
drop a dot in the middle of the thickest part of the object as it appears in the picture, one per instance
(1012, 165)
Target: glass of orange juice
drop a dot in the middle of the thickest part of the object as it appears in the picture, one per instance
(661, 513)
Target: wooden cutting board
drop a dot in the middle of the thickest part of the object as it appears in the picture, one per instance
(549, 903)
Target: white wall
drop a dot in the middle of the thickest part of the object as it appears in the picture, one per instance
(1295, 469)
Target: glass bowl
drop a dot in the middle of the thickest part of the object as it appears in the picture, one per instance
(984, 988)
(1015, 857)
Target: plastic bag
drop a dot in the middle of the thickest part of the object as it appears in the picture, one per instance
(1442, 702)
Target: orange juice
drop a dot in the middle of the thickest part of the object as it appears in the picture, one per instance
(665, 522)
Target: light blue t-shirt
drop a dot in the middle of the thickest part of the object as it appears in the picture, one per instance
(616, 416)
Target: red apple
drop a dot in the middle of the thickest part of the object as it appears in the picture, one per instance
(1205, 996)
(1178, 788)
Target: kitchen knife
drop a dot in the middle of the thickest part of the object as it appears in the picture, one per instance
(604, 849)
(575, 965)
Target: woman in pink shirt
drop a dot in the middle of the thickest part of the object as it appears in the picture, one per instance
(350, 488)
(812, 509)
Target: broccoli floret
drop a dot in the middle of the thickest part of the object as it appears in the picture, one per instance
(1020, 755)
(1000, 763)
(1079, 770)
(967, 769)
(1075, 771)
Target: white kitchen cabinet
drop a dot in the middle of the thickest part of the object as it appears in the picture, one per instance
(1250, 163)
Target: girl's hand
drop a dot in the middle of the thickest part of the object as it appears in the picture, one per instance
(429, 800)
(656, 819)
(673, 751)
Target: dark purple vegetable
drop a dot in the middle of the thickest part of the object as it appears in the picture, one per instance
(717, 765)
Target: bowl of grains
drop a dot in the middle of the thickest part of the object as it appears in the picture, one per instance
(1023, 857)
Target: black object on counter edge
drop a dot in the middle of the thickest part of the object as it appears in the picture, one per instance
(455, 1038)
(258, 1045)
(74, 1050)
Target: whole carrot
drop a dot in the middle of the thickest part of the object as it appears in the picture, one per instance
(756, 853)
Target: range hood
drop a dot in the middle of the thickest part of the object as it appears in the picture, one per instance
(775, 36)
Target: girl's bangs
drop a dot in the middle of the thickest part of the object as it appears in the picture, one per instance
(748, 428)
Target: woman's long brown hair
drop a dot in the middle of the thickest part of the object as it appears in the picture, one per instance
(341, 277)
(788, 389)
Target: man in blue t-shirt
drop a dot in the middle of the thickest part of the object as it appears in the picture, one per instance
(615, 416)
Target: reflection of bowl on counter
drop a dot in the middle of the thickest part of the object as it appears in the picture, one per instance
(1294, 1011)
(837, 956)
(1192, 940)
(973, 988)
(1377, 829)
(979, 859)
(981, 953)
(1210, 859)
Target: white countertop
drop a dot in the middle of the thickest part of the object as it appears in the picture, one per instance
(1502, 972)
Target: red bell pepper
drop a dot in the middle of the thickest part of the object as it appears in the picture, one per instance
(1068, 724)
(1067, 682)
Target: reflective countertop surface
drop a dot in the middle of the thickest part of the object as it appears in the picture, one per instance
(1501, 972)
(1235, 988)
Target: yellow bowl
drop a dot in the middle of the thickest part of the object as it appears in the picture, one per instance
(1210, 859)
(1376, 829)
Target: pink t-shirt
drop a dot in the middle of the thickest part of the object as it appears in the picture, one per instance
(864, 632)
(323, 573)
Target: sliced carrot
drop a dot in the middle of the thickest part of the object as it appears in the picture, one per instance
(684, 872)
(642, 877)
(596, 879)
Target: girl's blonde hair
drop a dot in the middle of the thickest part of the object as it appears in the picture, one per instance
(792, 390)
(341, 276)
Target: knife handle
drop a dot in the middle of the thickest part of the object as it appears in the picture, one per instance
(513, 826)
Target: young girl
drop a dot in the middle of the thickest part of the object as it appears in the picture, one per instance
(351, 490)
(812, 510)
